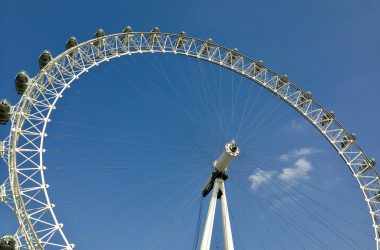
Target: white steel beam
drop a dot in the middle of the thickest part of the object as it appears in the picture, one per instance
(207, 233)
(227, 232)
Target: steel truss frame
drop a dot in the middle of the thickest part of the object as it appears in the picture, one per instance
(209, 224)
(24, 148)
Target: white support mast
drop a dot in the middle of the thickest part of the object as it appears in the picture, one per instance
(216, 184)
(207, 232)
(228, 241)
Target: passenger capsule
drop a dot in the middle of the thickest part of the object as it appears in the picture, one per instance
(180, 40)
(282, 81)
(347, 140)
(99, 33)
(21, 82)
(232, 56)
(155, 30)
(126, 37)
(258, 67)
(305, 97)
(327, 118)
(72, 42)
(5, 109)
(45, 58)
(8, 242)
(127, 29)
(206, 47)
(153, 36)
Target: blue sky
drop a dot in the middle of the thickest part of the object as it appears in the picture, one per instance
(110, 175)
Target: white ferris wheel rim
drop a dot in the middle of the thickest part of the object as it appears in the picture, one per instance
(31, 114)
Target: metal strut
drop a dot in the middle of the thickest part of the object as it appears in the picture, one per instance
(218, 192)
(215, 183)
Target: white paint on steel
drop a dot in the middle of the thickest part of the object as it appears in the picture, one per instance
(29, 118)
(2, 149)
(3, 193)
(230, 152)
(227, 232)
(208, 228)
(207, 232)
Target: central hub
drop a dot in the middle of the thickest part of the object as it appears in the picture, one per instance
(220, 166)
(231, 151)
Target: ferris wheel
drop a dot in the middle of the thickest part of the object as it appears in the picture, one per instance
(26, 191)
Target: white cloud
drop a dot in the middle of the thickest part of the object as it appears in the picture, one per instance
(300, 171)
(289, 175)
(281, 202)
(296, 153)
(260, 177)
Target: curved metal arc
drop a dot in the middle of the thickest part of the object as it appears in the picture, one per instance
(16, 191)
(41, 162)
(299, 110)
(53, 64)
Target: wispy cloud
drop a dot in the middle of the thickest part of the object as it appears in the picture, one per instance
(298, 171)
(297, 153)
(260, 177)
(297, 124)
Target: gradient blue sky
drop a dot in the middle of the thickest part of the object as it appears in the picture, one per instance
(328, 47)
